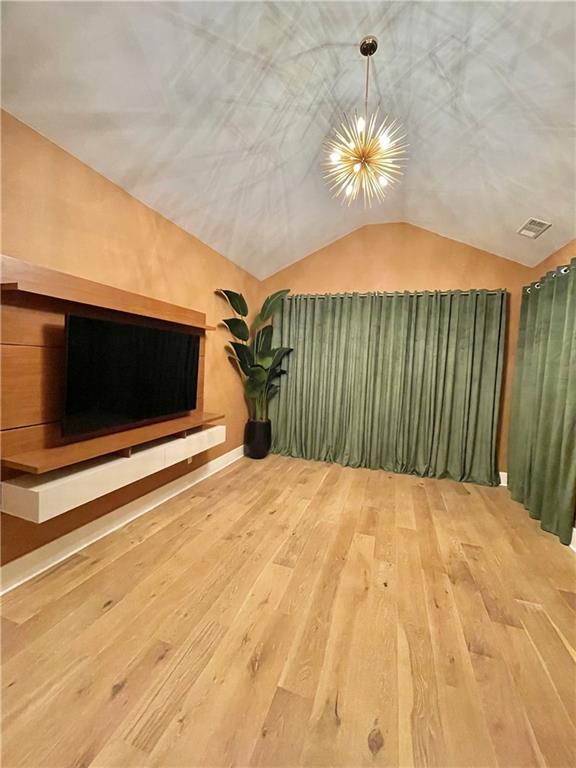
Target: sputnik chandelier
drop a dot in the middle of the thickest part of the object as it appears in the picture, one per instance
(364, 155)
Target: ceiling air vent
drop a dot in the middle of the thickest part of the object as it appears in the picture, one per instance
(534, 228)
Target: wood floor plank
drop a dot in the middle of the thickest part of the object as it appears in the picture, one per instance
(417, 673)
(354, 720)
(494, 592)
(281, 736)
(569, 597)
(554, 655)
(460, 699)
(306, 659)
(380, 497)
(507, 721)
(119, 754)
(552, 727)
(294, 613)
(403, 502)
(290, 553)
(333, 737)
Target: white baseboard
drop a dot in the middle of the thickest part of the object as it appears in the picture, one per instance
(503, 478)
(33, 563)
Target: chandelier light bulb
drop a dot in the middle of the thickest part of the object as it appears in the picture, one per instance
(360, 124)
(351, 145)
(335, 156)
(383, 181)
(357, 167)
(384, 141)
(349, 190)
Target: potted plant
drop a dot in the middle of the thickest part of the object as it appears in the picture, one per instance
(258, 363)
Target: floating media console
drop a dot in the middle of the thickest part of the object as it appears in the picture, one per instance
(62, 473)
(41, 497)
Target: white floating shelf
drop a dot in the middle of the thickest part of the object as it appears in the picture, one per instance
(41, 497)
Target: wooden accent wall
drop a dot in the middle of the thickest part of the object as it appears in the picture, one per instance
(32, 359)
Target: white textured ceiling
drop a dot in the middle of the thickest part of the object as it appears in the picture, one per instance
(214, 113)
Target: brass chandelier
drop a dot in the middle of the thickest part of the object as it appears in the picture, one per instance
(365, 155)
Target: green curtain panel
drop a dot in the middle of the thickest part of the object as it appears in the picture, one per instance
(542, 444)
(404, 382)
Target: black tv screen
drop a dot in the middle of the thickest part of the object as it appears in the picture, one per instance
(120, 375)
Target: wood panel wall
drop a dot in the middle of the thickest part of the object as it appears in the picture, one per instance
(33, 378)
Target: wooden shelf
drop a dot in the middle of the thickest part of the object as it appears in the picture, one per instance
(22, 277)
(47, 459)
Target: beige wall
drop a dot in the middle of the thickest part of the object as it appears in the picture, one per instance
(401, 257)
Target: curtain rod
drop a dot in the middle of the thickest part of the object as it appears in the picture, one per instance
(494, 292)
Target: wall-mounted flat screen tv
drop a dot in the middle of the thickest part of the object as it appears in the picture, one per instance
(120, 375)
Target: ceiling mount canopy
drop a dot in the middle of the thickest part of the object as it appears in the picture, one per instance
(365, 155)
(368, 45)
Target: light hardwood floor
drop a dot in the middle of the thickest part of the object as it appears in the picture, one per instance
(293, 613)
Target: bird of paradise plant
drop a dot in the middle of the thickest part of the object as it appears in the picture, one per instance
(259, 363)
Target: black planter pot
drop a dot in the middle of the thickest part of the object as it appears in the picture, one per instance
(257, 439)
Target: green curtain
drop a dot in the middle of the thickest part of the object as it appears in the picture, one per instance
(542, 444)
(404, 382)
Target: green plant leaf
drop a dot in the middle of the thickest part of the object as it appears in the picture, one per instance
(237, 328)
(278, 355)
(243, 355)
(257, 322)
(272, 304)
(265, 361)
(258, 374)
(254, 389)
(236, 301)
(263, 340)
(273, 389)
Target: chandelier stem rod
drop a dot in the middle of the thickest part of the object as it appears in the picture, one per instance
(366, 89)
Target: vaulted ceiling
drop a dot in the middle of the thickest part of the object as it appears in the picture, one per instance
(214, 113)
